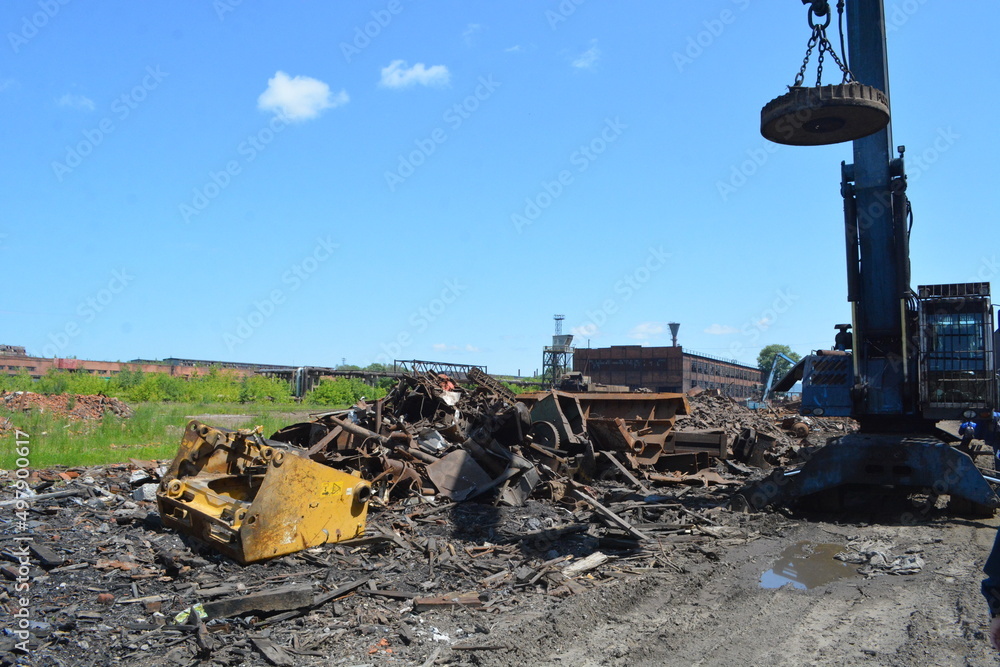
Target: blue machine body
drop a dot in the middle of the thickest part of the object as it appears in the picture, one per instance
(913, 358)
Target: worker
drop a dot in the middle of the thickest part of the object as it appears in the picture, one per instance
(968, 432)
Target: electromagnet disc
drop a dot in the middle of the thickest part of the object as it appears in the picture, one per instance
(823, 115)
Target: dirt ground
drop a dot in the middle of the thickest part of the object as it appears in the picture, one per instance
(718, 613)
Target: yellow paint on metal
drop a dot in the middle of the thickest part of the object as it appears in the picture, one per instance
(252, 501)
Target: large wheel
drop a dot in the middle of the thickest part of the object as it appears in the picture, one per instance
(544, 434)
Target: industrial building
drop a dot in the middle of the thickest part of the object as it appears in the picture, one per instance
(14, 359)
(669, 369)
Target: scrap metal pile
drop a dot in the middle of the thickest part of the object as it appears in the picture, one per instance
(379, 559)
(109, 585)
(310, 483)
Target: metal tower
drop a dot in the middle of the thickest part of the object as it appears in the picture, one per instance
(557, 359)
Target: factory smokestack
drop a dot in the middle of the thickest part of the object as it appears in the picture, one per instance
(674, 326)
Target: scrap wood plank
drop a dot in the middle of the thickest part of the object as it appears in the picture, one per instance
(549, 534)
(340, 591)
(67, 568)
(625, 471)
(144, 600)
(274, 653)
(446, 601)
(605, 512)
(591, 562)
(216, 591)
(43, 496)
(276, 599)
(376, 537)
(45, 556)
(432, 658)
(318, 601)
(480, 647)
(386, 593)
(698, 516)
(494, 577)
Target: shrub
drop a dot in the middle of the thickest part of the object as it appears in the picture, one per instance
(343, 391)
(256, 388)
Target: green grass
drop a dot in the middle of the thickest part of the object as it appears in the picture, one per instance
(153, 432)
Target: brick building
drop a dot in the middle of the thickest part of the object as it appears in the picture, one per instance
(669, 369)
(13, 359)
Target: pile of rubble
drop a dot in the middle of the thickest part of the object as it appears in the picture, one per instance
(398, 528)
(713, 411)
(429, 579)
(772, 436)
(73, 406)
(311, 483)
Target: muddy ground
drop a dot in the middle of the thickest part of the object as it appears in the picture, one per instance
(718, 614)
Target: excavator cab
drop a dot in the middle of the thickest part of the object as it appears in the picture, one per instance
(958, 366)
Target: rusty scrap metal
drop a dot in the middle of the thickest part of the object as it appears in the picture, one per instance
(310, 483)
(483, 379)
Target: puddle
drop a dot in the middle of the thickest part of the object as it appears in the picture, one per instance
(807, 565)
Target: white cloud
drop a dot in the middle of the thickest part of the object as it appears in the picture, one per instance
(298, 98)
(398, 75)
(7, 83)
(721, 330)
(514, 49)
(647, 330)
(76, 102)
(588, 58)
(470, 32)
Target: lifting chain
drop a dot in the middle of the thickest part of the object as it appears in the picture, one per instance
(818, 40)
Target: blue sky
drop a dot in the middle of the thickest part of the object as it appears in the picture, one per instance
(307, 182)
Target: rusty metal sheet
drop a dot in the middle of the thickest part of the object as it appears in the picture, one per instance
(457, 475)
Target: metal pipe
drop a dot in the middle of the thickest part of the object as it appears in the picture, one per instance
(851, 232)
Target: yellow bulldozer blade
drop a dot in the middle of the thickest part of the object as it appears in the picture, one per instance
(252, 499)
